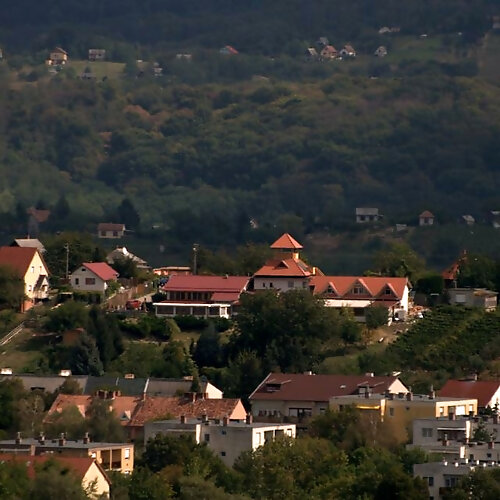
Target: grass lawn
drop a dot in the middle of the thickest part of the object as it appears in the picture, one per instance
(22, 352)
(100, 69)
(348, 364)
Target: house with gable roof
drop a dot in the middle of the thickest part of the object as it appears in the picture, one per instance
(285, 271)
(31, 267)
(92, 277)
(306, 394)
(426, 218)
(201, 296)
(361, 292)
(487, 392)
(110, 230)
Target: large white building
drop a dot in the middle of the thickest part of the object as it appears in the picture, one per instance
(227, 439)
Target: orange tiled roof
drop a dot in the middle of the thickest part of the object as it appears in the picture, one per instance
(342, 285)
(19, 258)
(102, 270)
(286, 242)
(426, 214)
(285, 267)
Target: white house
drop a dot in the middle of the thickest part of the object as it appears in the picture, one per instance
(110, 231)
(92, 277)
(426, 218)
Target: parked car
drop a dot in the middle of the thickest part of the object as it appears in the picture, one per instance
(132, 305)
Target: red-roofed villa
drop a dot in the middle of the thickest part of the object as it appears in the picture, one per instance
(93, 277)
(487, 392)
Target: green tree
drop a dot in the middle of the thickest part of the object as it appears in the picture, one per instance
(478, 271)
(12, 288)
(84, 358)
(399, 259)
(481, 484)
(69, 421)
(67, 316)
(376, 316)
(128, 215)
(14, 481)
(104, 424)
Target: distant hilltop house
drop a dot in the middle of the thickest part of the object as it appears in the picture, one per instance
(122, 253)
(467, 220)
(494, 217)
(347, 51)
(367, 214)
(93, 277)
(426, 218)
(385, 30)
(110, 230)
(184, 56)
(381, 51)
(58, 57)
(227, 50)
(97, 54)
(329, 52)
(495, 23)
(473, 297)
(322, 41)
(36, 218)
(311, 54)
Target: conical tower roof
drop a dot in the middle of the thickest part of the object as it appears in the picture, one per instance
(286, 242)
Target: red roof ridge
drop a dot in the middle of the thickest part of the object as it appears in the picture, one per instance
(102, 270)
(286, 242)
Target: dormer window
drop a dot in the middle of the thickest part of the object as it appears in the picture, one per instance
(387, 291)
(273, 387)
(358, 289)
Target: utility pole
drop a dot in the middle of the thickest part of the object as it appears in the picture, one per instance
(195, 257)
(66, 247)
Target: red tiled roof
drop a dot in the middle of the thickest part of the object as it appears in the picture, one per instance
(225, 296)
(78, 465)
(451, 273)
(375, 285)
(286, 242)
(157, 407)
(39, 215)
(109, 226)
(102, 270)
(427, 214)
(482, 390)
(18, 258)
(201, 283)
(303, 387)
(285, 267)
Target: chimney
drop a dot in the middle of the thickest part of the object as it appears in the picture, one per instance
(451, 415)
(409, 396)
(367, 393)
(86, 438)
(432, 394)
(41, 438)
(62, 439)
(225, 421)
(18, 438)
(249, 419)
(491, 444)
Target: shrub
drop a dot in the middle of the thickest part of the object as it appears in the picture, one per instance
(190, 323)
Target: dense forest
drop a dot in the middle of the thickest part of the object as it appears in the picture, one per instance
(224, 150)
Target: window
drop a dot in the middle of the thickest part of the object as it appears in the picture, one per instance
(30, 287)
(103, 233)
(90, 281)
(223, 432)
(126, 453)
(222, 453)
(441, 411)
(427, 432)
(271, 284)
(430, 481)
(391, 412)
(94, 454)
(115, 233)
(300, 412)
(206, 437)
(358, 290)
(77, 281)
(471, 408)
(291, 284)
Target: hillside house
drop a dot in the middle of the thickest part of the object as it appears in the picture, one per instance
(311, 54)
(30, 266)
(328, 52)
(400, 410)
(467, 220)
(110, 456)
(134, 411)
(305, 395)
(86, 469)
(426, 218)
(97, 54)
(109, 230)
(495, 23)
(57, 57)
(201, 296)
(285, 271)
(28, 243)
(494, 217)
(361, 292)
(487, 392)
(120, 253)
(381, 51)
(367, 214)
(473, 297)
(347, 51)
(227, 439)
(184, 56)
(92, 277)
(227, 50)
